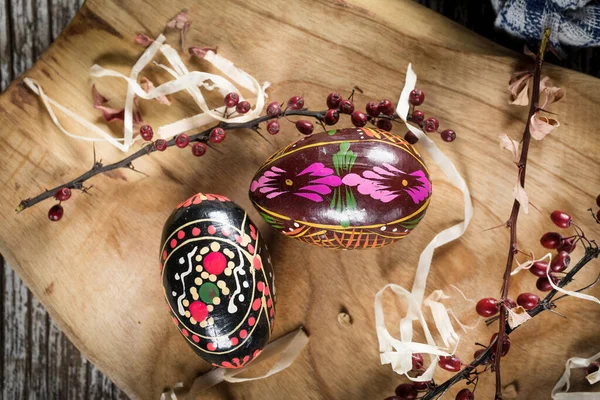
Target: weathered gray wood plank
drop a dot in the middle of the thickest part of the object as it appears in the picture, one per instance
(36, 360)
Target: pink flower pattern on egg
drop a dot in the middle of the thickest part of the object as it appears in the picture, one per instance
(311, 183)
(385, 184)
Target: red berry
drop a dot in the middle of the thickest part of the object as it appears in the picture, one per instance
(63, 194)
(146, 132)
(418, 116)
(598, 200)
(373, 109)
(55, 213)
(551, 240)
(295, 103)
(451, 363)
(505, 346)
(465, 394)
(543, 284)
(539, 268)
(242, 107)
(478, 353)
(417, 361)
(231, 99)
(422, 386)
(561, 219)
(510, 304)
(386, 107)
(160, 144)
(448, 135)
(198, 149)
(416, 97)
(304, 127)
(569, 245)
(217, 135)
(593, 367)
(406, 391)
(384, 124)
(528, 300)
(332, 117)
(182, 140)
(346, 107)
(358, 118)
(411, 137)
(431, 124)
(273, 109)
(487, 307)
(333, 100)
(560, 262)
(273, 127)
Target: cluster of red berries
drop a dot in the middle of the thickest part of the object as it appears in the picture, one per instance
(429, 125)
(378, 113)
(410, 391)
(56, 211)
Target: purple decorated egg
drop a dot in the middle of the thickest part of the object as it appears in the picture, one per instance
(355, 188)
(218, 280)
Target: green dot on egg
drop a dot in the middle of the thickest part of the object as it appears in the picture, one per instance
(208, 291)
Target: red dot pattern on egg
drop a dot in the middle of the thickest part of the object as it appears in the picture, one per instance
(260, 285)
(195, 338)
(226, 231)
(185, 332)
(234, 341)
(212, 230)
(199, 311)
(165, 255)
(195, 231)
(253, 232)
(211, 346)
(215, 263)
(267, 291)
(243, 333)
(175, 321)
(251, 321)
(251, 248)
(256, 304)
(180, 234)
(257, 263)
(269, 303)
(173, 243)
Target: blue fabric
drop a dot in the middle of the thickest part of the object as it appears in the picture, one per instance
(571, 22)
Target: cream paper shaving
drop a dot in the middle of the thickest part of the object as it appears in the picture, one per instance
(184, 80)
(286, 348)
(529, 263)
(517, 316)
(564, 381)
(396, 352)
(48, 103)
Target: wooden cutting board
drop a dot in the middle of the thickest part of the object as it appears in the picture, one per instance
(97, 272)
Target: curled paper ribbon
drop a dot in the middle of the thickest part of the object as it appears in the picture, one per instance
(286, 348)
(563, 382)
(184, 80)
(528, 264)
(396, 352)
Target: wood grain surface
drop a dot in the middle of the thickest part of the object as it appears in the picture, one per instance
(96, 271)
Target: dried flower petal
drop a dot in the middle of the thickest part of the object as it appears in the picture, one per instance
(201, 51)
(179, 21)
(144, 40)
(521, 196)
(518, 86)
(147, 85)
(114, 114)
(551, 94)
(517, 316)
(540, 126)
(528, 52)
(511, 145)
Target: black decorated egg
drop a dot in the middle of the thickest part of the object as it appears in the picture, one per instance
(218, 280)
(356, 188)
